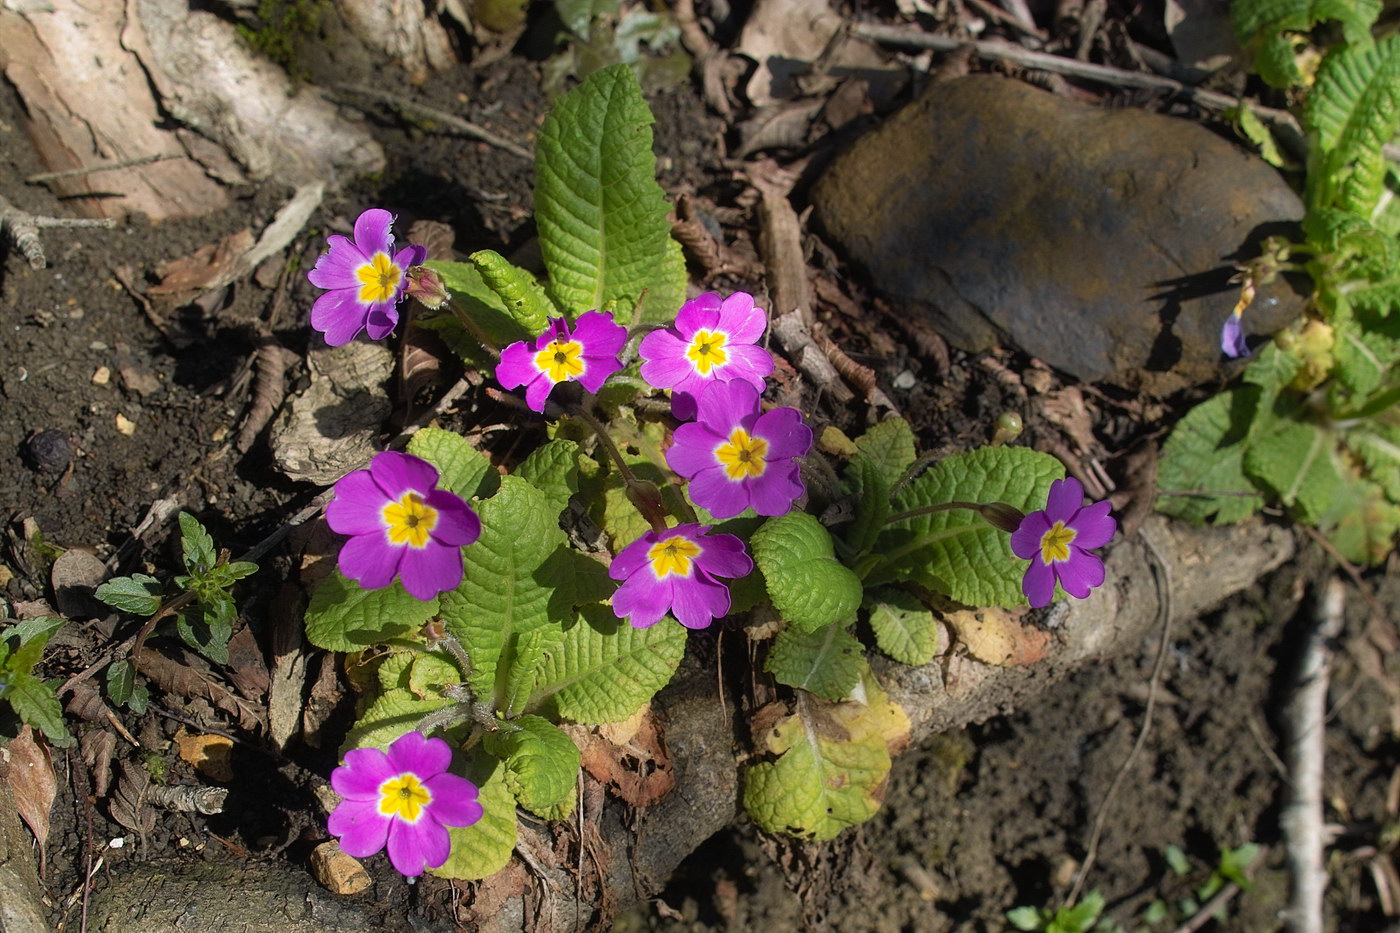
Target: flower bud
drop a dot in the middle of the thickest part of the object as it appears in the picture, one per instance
(427, 286)
(1002, 516)
(1009, 428)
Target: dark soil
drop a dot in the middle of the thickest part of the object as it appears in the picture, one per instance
(111, 404)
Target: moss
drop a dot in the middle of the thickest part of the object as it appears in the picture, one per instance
(280, 27)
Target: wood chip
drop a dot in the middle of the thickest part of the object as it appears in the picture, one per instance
(210, 754)
(338, 872)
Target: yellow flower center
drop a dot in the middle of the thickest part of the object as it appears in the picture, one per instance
(743, 456)
(706, 350)
(562, 359)
(673, 556)
(1054, 544)
(380, 279)
(405, 797)
(410, 520)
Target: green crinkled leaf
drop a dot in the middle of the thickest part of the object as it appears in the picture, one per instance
(430, 672)
(121, 681)
(1377, 446)
(1262, 25)
(1297, 462)
(882, 456)
(390, 716)
(196, 545)
(1258, 133)
(905, 628)
(393, 671)
(1364, 357)
(523, 297)
(601, 215)
(486, 309)
(207, 628)
(577, 578)
(808, 586)
(503, 593)
(889, 447)
(35, 702)
(956, 552)
(553, 470)
(138, 594)
(483, 848)
(604, 670)
(541, 764)
(1352, 112)
(826, 662)
(462, 469)
(1361, 522)
(343, 616)
(1205, 457)
(530, 650)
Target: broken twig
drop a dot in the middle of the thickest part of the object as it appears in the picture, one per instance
(449, 121)
(22, 229)
(104, 167)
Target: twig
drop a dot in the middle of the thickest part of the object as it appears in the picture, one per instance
(104, 167)
(448, 120)
(1305, 714)
(1163, 643)
(23, 228)
(1209, 909)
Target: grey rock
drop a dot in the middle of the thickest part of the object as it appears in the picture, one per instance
(330, 429)
(1100, 241)
(75, 576)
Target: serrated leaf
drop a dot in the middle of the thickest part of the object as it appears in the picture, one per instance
(22, 643)
(1361, 522)
(1264, 25)
(956, 552)
(905, 628)
(523, 298)
(430, 672)
(826, 662)
(462, 469)
(1364, 357)
(343, 616)
(1258, 133)
(121, 680)
(1297, 462)
(394, 713)
(882, 456)
(207, 629)
(530, 650)
(553, 470)
(889, 448)
(1377, 446)
(808, 586)
(503, 593)
(138, 594)
(196, 545)
(601, 215)
(1204, 457)
(392, 672)
(604, 670)
(833, 759)
(34, 701)
(477, 300)
(483, 848)
(541, 764)
(1353, 110)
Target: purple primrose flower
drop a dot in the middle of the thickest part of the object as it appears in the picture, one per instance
(365, 278)
(1232, 342)
(675, 571)
(403, 797)
(736, 457)
(1057, 540)
(401, 524)
(587, 352)
(712, 340)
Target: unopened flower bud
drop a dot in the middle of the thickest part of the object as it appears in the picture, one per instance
(426, 285)
(1002, 516)
(1009, 428)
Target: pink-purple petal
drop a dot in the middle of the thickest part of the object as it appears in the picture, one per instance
(1066, 496)
(1093, 526)
(398, 473)
(425, 572)
(458, 524)
(724, 498)
(454, 800)
(725, 556)
(365, 769)
(631, 559)
(740, 319)
(339, 316)
(381, 320)
(693, 449)
(642, 600)
(424, 756)
(1232, 338)
(362, 829)
(416, 846)
(338, 268)
(373, 233)
(776, 490)
(537, 392)
(358, 506)
(725, 405)
(1081, 573)
(699, 313)
(1039, 584)
(1025, 540)
(786, 433)
(699, 602)
(600, 336)
(411, 255)
(370, 560)
(749, 363)
(517, 365)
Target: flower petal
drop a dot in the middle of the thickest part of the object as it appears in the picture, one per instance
(398, 473)
(1081, 573)
(454, 800)
(700, 312)
(1025, 540)
(361, 827)
(1093, 525)
(339, 316)
(699, 601)
(365, 769)
(458, 524)
(632, 558)
(684, 407)
(537, 392)
(1066, 496)
(373, 233)
(693, 449)
(381, 320)
(430, 570)
(416, 846)
(411, 255)
(517, 366)
(725, 498)
(1232, 339)
(370, 560)
(338, 267)
(725, 405)
(642, 600)
(600, 335)
(724, 556)
(776, 490)
(787, 435)
(1039, 583)
(740, 319)
(424, 756)
(358, 506)
(749, 363)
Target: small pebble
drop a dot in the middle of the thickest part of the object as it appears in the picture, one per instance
(340, 873)
(102, 376)
(48, 451)
(125, 425)
(905, 380)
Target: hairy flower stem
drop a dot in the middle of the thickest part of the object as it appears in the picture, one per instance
(644, 496)
(473, 328)
(930, 509)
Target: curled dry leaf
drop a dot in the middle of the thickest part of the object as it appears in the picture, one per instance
(191, 677)
(211, 755)
(99, 747)
(997, 636)
(188, 798)
(33, 783)
(127, 805)
(271, 361)
(639, 771)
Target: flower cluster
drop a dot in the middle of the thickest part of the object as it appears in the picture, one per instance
(403, 798)
(365, 279)
(1057, 541)
(711, 341)
(676, 570)
(586, 353)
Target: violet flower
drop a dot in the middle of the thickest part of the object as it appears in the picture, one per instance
(1057, 540)
(712, 340)
(675, 571)
(1232, 340)
(587, 353)
(403, 798)
(365, 278)
(736, 457)
(401, 525)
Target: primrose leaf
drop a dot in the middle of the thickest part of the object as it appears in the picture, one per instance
(601, 215)
(578, 579)
(477, 300)
(882, 456)
(889, 448)
(530, 650)
(504, 592)
(553, 470)
(138, 594)
(429, 673)
(1297, 462)
(826, 662)
(1266, 25)
(1377, 446)
(955, 551)
(391, 715)
(541, 764)
(1361, 522)
(604, 670)
(905, 628)
(1364, 356)
(1352, 112)
(36, 703)
(832, 762)
(462, 469)
(343, 616)
(808, 586)
(522, 296)
(196, 544)
(1205, 456)
(483, 848)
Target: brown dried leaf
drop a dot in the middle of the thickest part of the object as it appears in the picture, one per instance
(996, 636)
(187, 276)
(127, 805)
(211, 755)
(33, 782)
(99, 747)
(639, 772)
(246, 667)
(192, 678)
(269, 388)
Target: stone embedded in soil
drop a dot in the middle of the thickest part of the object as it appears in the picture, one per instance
(330, 429)
(1100, 241)
(48, 451)
(75, 576)
(340, 873)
